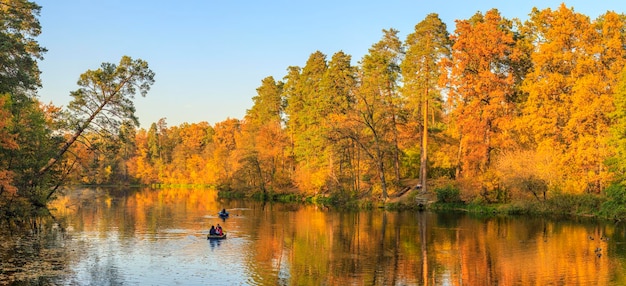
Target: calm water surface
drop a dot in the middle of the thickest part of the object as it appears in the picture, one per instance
(158, 237)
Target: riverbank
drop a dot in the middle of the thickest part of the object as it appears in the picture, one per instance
(447, 199)
(443, 196)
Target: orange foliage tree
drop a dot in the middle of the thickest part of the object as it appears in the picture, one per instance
(482, 94)
(576, 64)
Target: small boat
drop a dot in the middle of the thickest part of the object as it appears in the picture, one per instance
(223, 214)
(215, 236)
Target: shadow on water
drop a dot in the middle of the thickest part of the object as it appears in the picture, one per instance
(215, 243)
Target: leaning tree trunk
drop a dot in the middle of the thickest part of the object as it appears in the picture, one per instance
(74, 137)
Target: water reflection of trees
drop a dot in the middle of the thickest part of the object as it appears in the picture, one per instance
(294, 244)
(130, 211)
(380, 248)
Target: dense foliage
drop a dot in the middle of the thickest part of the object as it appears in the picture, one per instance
(37, 142)
(504, 109)
(501, 109)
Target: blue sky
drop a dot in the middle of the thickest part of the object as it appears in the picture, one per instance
(210, 56)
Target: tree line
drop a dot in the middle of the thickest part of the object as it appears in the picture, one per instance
(506, 109)
(502, 108)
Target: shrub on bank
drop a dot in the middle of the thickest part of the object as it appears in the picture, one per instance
(615, 205)
(558, 205)
(231, 194)
(278, 197)
(448, 194)
(575, 204)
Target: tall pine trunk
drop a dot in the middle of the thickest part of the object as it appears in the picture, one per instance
(424, 155)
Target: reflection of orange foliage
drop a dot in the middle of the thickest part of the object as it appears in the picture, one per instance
(136, 211)
(61, 206)
(506, 253)
(325, 249)
(320, 247)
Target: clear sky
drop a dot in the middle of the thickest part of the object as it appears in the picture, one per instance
(210, 56)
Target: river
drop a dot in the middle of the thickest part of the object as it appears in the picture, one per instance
(158, 237)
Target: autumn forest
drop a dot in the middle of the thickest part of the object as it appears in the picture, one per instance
(501, 110)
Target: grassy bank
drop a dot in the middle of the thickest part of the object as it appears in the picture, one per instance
(602, 206)
(609, 205)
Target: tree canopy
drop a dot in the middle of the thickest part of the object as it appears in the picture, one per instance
(502, 109)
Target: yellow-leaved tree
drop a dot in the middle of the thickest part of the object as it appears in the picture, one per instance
(575, 68)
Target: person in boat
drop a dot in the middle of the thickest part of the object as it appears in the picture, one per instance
(219, 230)
(213, 230)
(223, 212)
